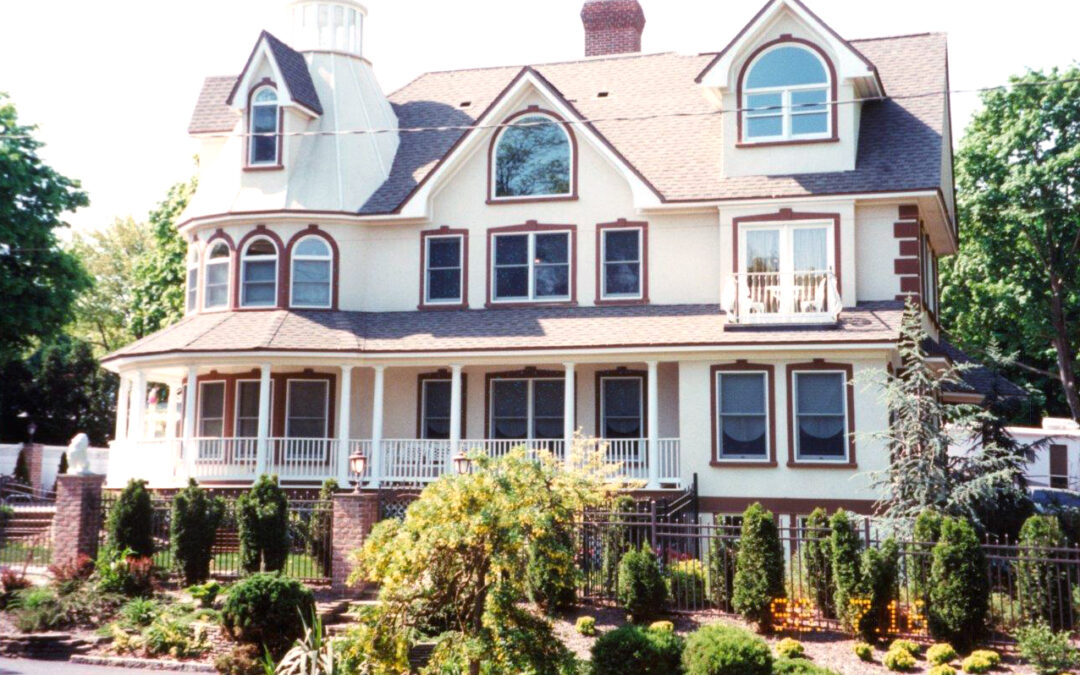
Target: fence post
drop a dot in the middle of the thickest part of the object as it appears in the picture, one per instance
(652, 525)
(353, 517)
(77, 521)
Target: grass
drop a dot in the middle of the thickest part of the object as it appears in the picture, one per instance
(17, 551)
(298, 565)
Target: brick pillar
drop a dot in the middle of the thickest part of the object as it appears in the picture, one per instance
(77, 521)
(34, 455)
(354, 516)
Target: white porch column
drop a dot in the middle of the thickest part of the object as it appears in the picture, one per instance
(377, 427)
(190, 449)
(123, 399)
(136, 423)
(653, 407)
(262, 445)
(569, 408)
(455, 416)
(344, 426)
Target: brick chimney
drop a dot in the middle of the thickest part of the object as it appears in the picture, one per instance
(612, 27)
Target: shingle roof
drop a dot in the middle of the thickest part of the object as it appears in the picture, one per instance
(976, 378)
(497, 329)
(295, 71)
(212, 114)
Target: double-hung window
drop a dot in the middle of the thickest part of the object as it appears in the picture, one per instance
(532, 266)
(216, 284)
(247, 417)
(621, 255)
(527, 409)
(820, 415)
(211, 419)
(443, 278)
(742, 415)
(191, 302)
(435, 409)
(264, 132)
(312, 273)
(786, 96)
(259, 274)
(307, 409)
(622, 407)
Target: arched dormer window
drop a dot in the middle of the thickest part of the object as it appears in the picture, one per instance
(263, 122)
(312, 273)
(258, 274)
(216, 283)
(533, 157)
(192, 301)
(786, 95)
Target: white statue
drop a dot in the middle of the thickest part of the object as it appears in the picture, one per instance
(78, 459)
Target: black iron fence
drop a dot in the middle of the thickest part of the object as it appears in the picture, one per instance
(699, 561)
(310, 532)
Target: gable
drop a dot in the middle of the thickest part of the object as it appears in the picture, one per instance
(287, 68)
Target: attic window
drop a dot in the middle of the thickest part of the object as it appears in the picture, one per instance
(602, 94)
(263, 118)
(532, 158)
(786, 95)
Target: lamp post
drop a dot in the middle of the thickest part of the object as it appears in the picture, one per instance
(358, 465)
(31, 429)
(462, 464)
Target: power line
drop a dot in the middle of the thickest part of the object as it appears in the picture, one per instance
(619, 118)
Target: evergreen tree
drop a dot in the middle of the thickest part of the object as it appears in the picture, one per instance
(959, 589)
(759, 570)
(195, 518)
(847, 568)
(131, 520)
(263, 518)
(817, 560)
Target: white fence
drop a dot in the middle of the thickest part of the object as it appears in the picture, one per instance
(50, 461)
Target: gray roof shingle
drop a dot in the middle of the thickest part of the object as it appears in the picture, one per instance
(976, 378)
(212, 113)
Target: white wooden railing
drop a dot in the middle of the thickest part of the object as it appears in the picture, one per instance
(782, 298)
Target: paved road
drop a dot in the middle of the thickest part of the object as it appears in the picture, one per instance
(26, 667)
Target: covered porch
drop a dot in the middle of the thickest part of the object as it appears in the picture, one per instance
(228, 423)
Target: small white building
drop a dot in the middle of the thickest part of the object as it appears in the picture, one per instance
(1057, 458)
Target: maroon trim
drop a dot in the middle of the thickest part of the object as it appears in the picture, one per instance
(493, 147)
(234, 258)
(622, 224)
(335, 266)
(248, 166)
(623, 372)
(445, 231)
(441, 375)
(788, 215)
(819, 365)
(528, 373)
(282, 298)
(531, 226)
(908, 232)
(743, 366)
(784, 39)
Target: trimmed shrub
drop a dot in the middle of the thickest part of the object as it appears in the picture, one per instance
(817, 561)
(195, 519)
(759, 571)
(641, 589)
(615, 542)
(263, 521)
(205, 594)
(1041, 585)
(242, 660)
(844, 547)
(724, 650)
(62, 468)
(1049, 653)
(898, 660)
(632, 649)
(723, 552)
(959, 593)
(785, 666)
(926, 532)
(940, 653)
(551, 572)
(686, 582)
(990, 655)
(908, 646)
(662, 626)
(131, 520)
(267, 609)
(322, 522)
(880, 576)
(586, 625)
(864, 651)
(976, 664)
(790, 648)
(943, 669)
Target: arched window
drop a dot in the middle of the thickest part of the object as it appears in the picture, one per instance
(532, 159)
(216, 284)
(263, 122)
(786, 95)
(192, 302)
(312, 270)
(258, 287)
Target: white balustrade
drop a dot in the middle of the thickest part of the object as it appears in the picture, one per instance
(414, 461)
(782, 297)
(309, 459)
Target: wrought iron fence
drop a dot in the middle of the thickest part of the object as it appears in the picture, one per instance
(25, 548)
(698, 562)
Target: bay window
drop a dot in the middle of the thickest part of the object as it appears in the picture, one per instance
(312, 274)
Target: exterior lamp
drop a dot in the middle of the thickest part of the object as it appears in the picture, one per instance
(31, 429)
(462, 464)
(358, 464)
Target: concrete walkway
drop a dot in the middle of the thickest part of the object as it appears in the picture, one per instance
(27, 667)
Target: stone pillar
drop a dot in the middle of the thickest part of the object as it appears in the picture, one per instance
(354, 516)
(77, 521)
(33, 453)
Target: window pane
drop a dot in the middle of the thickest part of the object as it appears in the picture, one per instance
(820, 393)
(622, 397)
(622, 279)
(212, 428)
(809, 101)
(818, 123)
(509, 398)
(307, 399)
(743, 436)
(259, 294)
(217, 275)
(762, 251)
(512, 250)
(764, 127)
(444, 252)
(211, 408)
(786, 66)
(437, 398)
(764, 103)
(821, 436)
(261, 247)
(621, 246)
(444, 284)
(219, 251)
(264, 119)
(192, 287)
(247, 427)
(552, 248)
(263, 149)
(533, 158)
(313, 246)
(506, 427)
(260, 271)
(311, 271)
(548, 428)
(248, 404)
(622, 427)
(217, 296)
(548, 398)
(810, 249)
(311, 295)
(742, 393)
(512, 282)
(552, 281)
(300, 427)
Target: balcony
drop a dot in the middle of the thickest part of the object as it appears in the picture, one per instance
(782, 298)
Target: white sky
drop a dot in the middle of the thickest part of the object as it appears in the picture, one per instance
(111, 83)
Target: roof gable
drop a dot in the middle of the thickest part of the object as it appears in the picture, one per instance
(289, 68)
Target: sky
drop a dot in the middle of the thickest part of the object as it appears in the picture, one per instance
(111, 83)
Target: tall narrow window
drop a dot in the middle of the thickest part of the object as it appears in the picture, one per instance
(527, 409)
(741, 416)
(211, 409)
(259, 274)
(247, 408)
(786, 96)
(622, 268)
(216, 284)
(264, 120)
(621, 407)
(192, 300)
(534, 266)
(436, 409)
(820, 416)
(532, 159)
(312, 270)
(444, 258)
(307, 409)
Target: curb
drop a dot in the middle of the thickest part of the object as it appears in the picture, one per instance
(150, 664)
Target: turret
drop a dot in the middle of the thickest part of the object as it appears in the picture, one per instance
(327, 25)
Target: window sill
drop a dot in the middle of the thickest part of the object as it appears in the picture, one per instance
(499, 201)
(621, 302)
(268, 167)
(818, 464)
(790, 141)
(533, 304)
(438, 306)
(742, 464)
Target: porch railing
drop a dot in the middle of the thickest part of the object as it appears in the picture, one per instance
(782, 297)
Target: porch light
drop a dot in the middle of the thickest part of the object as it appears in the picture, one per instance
(462, 463)
(358, 464)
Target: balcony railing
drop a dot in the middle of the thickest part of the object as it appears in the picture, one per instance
(782, 298)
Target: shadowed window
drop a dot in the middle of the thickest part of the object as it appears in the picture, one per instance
(532, 266)
(741, 416)
(444, 269)
(622, 263)
(264, 118)
(621, 407)
(216, 291)
(532, 159)
(527, 409)
(821, 416)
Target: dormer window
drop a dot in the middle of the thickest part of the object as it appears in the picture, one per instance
(264, 121)
(532, 159)
(785, 96)
(258, 271)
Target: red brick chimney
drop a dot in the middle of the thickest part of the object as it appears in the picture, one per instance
(612, 27)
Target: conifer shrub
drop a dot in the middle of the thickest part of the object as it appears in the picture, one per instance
(817, 561)
(1048, 652)
(943, 669)
(864, 651)
(267, 609)
(717, 649)
(723, 552)
(790, 648)
(759, 570)
(131, 520)
(615, 541)
(990, 655)
(641, 589)
(632, 649)
(195, 519)
(262, 516)
(844, 547)
(1042, 585)
(880, 576)
(959, 592)
(940, 653)
(786, 666)
(662, 626)
(898, 660)
(686, 582)
(909, 646)
(925, 533)
(976, 664)
(586, 625)
(322, 521)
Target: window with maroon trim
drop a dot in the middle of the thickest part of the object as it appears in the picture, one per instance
(742, 415)
(259, 274)
(533, 157)
(263, 123)
(216, 281)
(786, 95)
(192, 296)
(444, 259)
(312, 274)
(929, 275)
(622, 407)
(622, 262)
(211, 414)
(531, 266)
(820, 415)
(527, 408)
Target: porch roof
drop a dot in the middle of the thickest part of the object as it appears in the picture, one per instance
(493, 330)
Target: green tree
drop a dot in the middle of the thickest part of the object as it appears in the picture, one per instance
(39, 281)
(1042, 583)
(1015, 280)
(880, 580)
(196, 515)
(158, 295)
(959, 589)
(844, 545)
(817, 560)
(759, 569)
(925, 534)
(262, 515)
(130, 523)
